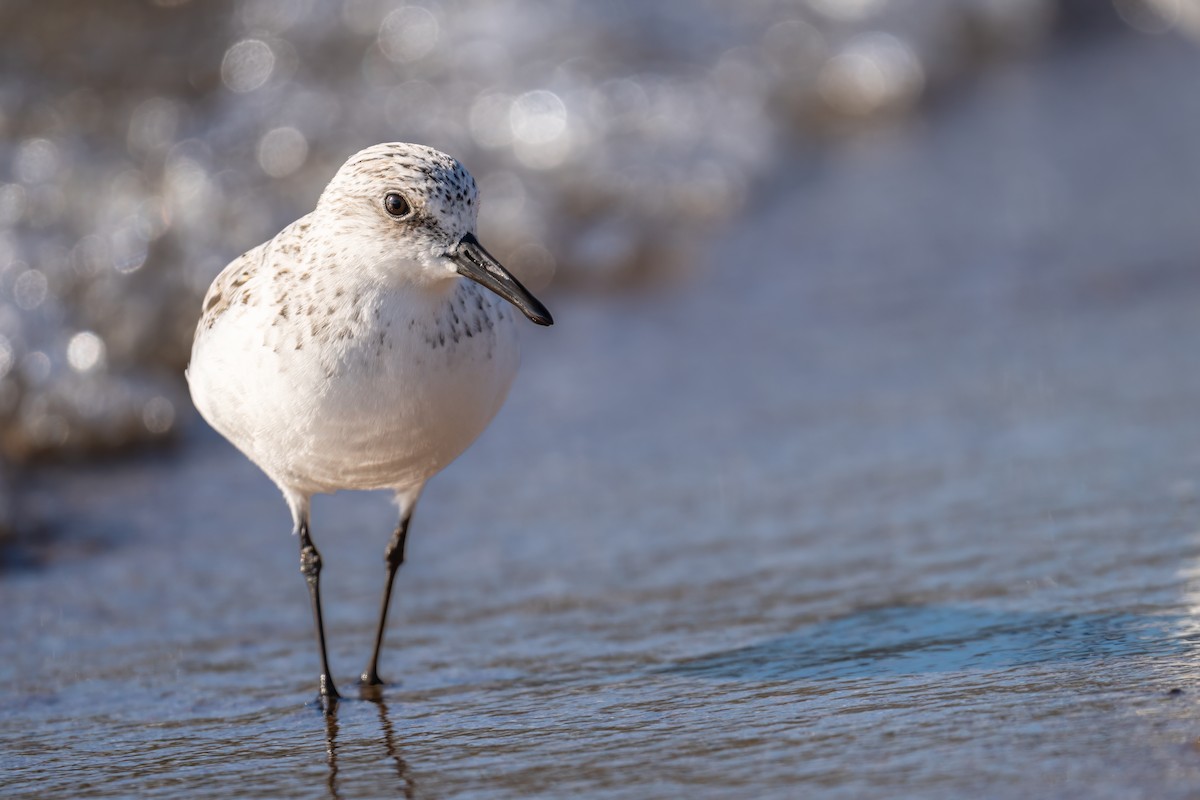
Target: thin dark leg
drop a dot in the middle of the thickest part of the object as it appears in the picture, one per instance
(310, 568)
(394, 556)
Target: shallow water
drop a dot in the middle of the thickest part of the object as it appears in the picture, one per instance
(904, 512)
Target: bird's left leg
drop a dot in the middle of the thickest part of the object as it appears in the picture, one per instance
(394, 557)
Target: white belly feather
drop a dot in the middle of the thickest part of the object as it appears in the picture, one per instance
(398, 386)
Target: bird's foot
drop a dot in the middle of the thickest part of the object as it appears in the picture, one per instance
(327, 704)
(327, 695)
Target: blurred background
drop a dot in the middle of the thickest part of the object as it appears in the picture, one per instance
(148, 142)
(866, 307)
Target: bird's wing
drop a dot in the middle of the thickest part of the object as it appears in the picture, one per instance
(230, 284)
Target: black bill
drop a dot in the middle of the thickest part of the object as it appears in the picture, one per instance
(480, 266)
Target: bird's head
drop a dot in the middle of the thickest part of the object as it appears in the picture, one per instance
(408, 212)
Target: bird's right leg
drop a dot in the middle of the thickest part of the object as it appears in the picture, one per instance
(310, 568)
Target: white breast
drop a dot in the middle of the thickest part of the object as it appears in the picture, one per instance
(396, 386)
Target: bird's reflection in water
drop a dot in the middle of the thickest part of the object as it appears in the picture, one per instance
(371, 694)
(375, 695)
(331, 732)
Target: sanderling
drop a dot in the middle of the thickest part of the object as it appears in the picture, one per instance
(345, 353)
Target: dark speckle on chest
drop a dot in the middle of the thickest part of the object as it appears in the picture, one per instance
(465, 316)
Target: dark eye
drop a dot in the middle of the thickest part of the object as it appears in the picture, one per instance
(396, 205)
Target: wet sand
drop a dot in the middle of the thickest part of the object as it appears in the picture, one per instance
(900, 499)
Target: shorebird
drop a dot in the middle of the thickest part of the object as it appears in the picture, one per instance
(348, 352)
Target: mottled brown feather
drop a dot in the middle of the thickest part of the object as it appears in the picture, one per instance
(228, 286)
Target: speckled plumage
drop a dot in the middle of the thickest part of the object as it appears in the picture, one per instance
(346, 352)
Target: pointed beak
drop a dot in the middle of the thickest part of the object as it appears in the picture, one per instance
(480, 266)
